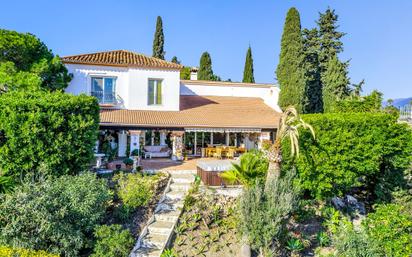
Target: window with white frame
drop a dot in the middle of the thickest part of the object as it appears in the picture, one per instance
(104, 89)
(154, 96)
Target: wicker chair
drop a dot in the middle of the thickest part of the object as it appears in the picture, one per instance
(218, 153)
(231, 153)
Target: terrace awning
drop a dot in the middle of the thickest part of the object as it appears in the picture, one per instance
(223, 130)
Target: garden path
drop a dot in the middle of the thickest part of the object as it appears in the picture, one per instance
(159, 229)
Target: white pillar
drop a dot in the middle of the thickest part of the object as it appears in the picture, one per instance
(211, 138)
(194, 148)
(262, 137)
(227, 138)
(177, 145)
(152, 137)
(121, 150)
(134, 140)
(162, 137)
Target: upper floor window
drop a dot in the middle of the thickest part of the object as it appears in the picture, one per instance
(154, 92)
(104, 88)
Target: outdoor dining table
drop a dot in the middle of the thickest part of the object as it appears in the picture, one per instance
(209, 151)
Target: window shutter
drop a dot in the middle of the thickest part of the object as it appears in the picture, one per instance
(159, 92)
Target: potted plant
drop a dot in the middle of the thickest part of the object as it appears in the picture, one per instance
(135, 152)
(129, 163)
(185, 155)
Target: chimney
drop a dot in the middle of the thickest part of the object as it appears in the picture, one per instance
(193, 73)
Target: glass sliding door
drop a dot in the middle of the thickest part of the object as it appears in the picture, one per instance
(104, 89)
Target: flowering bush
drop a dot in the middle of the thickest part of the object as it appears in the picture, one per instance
(6, 251)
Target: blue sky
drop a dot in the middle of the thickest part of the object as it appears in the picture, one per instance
(378, 40)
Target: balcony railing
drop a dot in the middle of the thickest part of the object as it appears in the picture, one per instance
(405, 113)
(105, 97)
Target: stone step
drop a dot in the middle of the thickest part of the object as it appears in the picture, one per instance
(183, 178)
(174, 172)
(175, 195)
(147, 252)
(170, 216)
(180, 186)
(154, 240)
(161, 227)
(173, 203)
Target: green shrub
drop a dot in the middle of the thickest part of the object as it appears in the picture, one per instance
(252, 167)
(58, 215)
(135, 152)
(46, 134)
(354, 149)
(6, 251)
(135, 189)
(264, 213)
(128, 161)
(391, 227)
(6, 184)
(354, 243)
(112, 241)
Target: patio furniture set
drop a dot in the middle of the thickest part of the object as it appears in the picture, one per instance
(220, 152)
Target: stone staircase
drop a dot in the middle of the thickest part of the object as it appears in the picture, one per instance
(156, 235)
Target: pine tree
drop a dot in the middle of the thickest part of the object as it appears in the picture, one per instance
(330, 37)
(313, 90)
(248, 76)
(205, 71)
(175, 60)
(290, 72)
(158, 40)
(335, 84)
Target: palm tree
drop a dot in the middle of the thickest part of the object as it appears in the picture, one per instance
(250, 169)
(289, 125)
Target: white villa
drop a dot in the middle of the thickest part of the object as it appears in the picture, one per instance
(145, 103)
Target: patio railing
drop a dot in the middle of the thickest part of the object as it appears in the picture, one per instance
(405, 113)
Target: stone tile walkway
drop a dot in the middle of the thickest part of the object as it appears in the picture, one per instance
(159, 230)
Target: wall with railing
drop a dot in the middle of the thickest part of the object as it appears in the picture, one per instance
(405, 113)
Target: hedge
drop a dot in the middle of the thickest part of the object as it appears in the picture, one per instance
(58, 215)
(45, 133)
(350, 149)
(6, 251)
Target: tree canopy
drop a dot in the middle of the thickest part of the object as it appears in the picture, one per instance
(26, 63)
(158, 41)
(248, 76)
(205, 68)
(335, 84)
(289, 72)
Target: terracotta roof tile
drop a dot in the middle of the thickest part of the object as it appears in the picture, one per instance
(200, 111)
(120, 58)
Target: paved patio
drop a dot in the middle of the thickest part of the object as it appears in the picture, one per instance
(170, 165)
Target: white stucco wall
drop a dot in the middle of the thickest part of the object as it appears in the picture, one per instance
(270, 94)
(131, 85)
(138, 89)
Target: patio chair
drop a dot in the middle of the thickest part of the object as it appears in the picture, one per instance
(231, 153)
(218, 153)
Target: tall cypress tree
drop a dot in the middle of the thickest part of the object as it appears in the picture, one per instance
(335, 84)
(205, 71)
(248, 76)
(158, 41)
(290, 72)
(313, 90)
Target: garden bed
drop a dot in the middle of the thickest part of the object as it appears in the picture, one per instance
(135, 219)
(207, 226)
